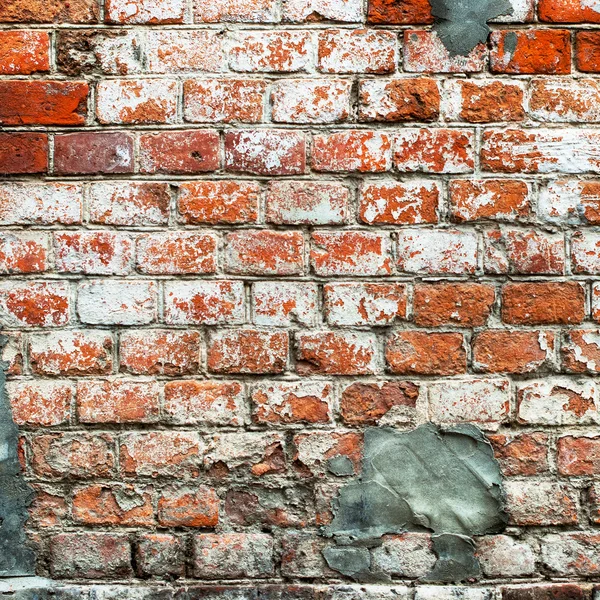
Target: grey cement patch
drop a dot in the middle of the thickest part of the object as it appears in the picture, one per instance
(462, 24)
(443, 481)
(16, 558)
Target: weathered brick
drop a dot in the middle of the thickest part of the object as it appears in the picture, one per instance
(565, 102)
(247, 351)
(361, 151)
(160, 555)
(43, 102)
(204, 302)
(557, 402)
(311, 101)
(404, 12)
(483, 402)
(585, 252)
(259, 252)
(40, 403)
(558, 591)
(579, 455)
(543, 303)
(117, 302)
(159, 352)
(587, 51)
(314, 451)
(180, 152)
(298, 11)
(218, 202)
(188, 507)
(434, 150)
(292, 403)
(138, 101)
(24, 52)
(23, 252)
(284, 303)
(34, 304)
(503, 556)
(223, 100)
(581, 351)
(129, 203)
(93, 153)
(152, 12)
(19, 11)
(540, 503)
(355, 253)
(205, 403)
(568, 11)
(575, 554)
(236, 11)
(596, 302)
(523, 454)
(176, 253)
(172, 51)
(461, 304)
(403, 203)
(422, 353)
(365, 303)
(22, 153)
(271, 51)
(336, 353)
(71, 353)
(593, 498)
(265, 152)
(117, 401)
(12, 353)
(570, 202)
(408, 555)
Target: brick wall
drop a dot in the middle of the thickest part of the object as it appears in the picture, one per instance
(235, 234)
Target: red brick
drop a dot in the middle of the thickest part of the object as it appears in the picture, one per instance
(336, 353)
(560, 591)
(361, 151)
(49, 508)
(117, 401)
(24, 52)
(71, 353)
(307, 203)
(128, 203)
(434, 150)
(399, 100)
(356, 253)
(43, 102)
(265, 152)
(461, 304)
(403, 12)
(153, 12)
(581, 351)
(375, 304)
(568, 11)
(493, 199)
(505, 351)
(357, 51)
(525, 252)
(23, 153)
(565, 101)
(161, 454)
(205, 403)
(160, 555)
(23, 11)
(183, 51)
(424, 52)
(271, 51)
(204, 302)
(292, 403)
(93, 153)
(421, 353)
(188, 507)
(40, 403)
(218, 202)
(93, 252)
(477, 102)
(123, 505)
(378, 403)
(402, 203)
(544, 303)
(535, 51)
(160, 352)
(236, 11)
(247, 351)
(579, 455)
(176, 253)
(284, 303)
(224, 100)
(23, 252)
(180, 152)
(524, 454)
(90, 556)
(261, 252)
(587, 51)
(78, 455)
(35, 304)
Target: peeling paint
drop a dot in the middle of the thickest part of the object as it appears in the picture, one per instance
(16, 558)
(443, 481)
(462, 24)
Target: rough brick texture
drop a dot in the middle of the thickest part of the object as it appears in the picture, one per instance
(237, 233)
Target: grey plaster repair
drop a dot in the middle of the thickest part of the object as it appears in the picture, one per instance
(443, 481)
(462, 24)
(16, 558)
